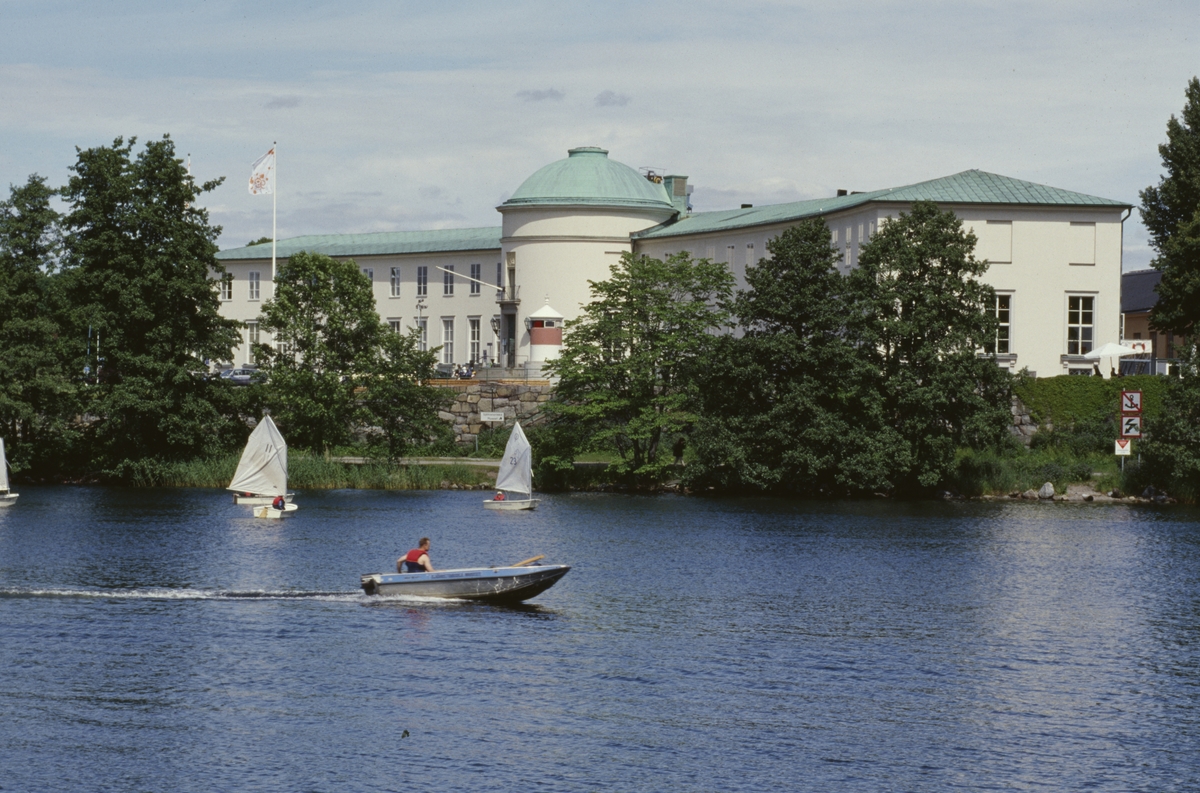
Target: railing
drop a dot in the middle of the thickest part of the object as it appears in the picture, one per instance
(1160, 366)
(509, 294)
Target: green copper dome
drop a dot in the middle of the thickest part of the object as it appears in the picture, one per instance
(588, 178)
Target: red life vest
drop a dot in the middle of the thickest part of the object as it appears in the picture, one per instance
(414, 555)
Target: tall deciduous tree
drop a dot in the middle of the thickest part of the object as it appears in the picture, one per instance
(1171, 212)
(629, 364)
(920, 316)
(141, 253)
(35, 390)
(335, 368)
(790, 405)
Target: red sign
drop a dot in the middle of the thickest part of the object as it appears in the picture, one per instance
(1131, 401)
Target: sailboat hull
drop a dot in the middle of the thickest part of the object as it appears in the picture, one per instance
(496, 584)
(256, 501)
(8, 499)
(270, 512)
(512, 503)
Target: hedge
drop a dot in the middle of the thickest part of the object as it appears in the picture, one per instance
(1069, 399)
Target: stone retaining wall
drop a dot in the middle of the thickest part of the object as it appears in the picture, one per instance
(1024, 426)
(517, 401)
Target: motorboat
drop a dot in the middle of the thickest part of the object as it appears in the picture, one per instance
(7, 497)
(511, 584)
(262, 472)
(515, 475)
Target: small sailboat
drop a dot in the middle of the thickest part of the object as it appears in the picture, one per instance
(7, 497)
(516, 474)
(262, 471)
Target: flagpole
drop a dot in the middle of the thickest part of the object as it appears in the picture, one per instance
(274, 194)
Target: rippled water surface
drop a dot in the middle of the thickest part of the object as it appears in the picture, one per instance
(168, 641)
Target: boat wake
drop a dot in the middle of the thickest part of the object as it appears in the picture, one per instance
(161, 593)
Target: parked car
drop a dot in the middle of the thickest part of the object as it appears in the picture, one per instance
(243, 376)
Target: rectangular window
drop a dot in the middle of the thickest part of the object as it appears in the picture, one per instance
(423, 340)
(749, 253)
(369, 272)
(227, 286)
(476, 339)
(1080, 312)
(422, 281)
(395, 282)
(1082, 240)
(251, 340)
(447, 340)
(253, 279)
(396, 326)
(448, 280)
(499, 275)
(476, 277)
(729, 255)
(1003, 314)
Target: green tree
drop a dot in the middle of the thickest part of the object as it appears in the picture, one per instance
(630, 364)
(403, 409)
(36, 393)
(140, 253)
(920, 315)
(1171, 450)
(790, 405)
(1171, 213)
(336, 368)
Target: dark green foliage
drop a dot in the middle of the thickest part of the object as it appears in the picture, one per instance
(1171, 213)
(630, 363)
(1066, 400)
(36, 393)
(791, 405)
(336, 367)
(920, 315)
(1171, 450)
(140, 253)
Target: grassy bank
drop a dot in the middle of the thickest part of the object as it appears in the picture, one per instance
(316, 473)
(991, 473)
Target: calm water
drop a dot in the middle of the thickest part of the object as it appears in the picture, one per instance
(167, 641)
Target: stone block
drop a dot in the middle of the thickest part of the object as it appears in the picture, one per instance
(473, 399)
(474, 429)
(529, 396)
(473, 389)
(445, 416)
(485, 404)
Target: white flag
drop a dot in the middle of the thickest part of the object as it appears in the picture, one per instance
(262, 178)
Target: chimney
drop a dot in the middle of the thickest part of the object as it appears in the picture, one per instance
(678, 192)
(747, 206)
(841, 193)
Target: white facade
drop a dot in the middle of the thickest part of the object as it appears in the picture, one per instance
(1055, 258)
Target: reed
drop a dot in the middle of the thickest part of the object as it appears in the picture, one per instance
(307, 472)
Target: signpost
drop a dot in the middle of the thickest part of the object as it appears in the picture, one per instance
(1131, 424)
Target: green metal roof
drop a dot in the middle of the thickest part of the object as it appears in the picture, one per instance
(588, 178)
(968, 187)
(380, 244)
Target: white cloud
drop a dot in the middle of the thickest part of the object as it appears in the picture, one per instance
(399, 116)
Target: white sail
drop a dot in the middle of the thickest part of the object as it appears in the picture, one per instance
(516, 469)
(263, 467)
(3, 468)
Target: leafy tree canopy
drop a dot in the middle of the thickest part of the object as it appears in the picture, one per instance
(630, 362)
(140, 253)
(920, 316)
(790, 406)
(36, 394)
(336, 367)
(1171, 212)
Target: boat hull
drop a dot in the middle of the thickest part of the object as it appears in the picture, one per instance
(271, 512)
(512, 503)
(496, 584)
(8, 499)
(256, 501)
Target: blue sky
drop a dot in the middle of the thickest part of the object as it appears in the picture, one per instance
(394, 115)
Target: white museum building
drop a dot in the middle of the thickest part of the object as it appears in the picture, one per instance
(501, 294)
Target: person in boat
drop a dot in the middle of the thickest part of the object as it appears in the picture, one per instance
(278, 503)
(499, 496)
(416, 560)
